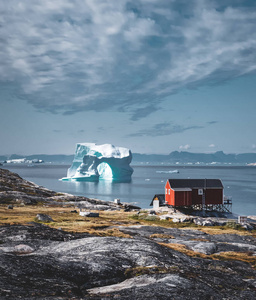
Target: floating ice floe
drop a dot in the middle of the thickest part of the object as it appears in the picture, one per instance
(168, 172)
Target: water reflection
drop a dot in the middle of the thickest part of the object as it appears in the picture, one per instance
(148, 181)
(239, 182)
(105, 190)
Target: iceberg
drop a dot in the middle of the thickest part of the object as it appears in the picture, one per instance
(94, 162)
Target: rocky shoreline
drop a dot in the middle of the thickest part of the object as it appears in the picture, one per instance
(16, 190)
(147, 262)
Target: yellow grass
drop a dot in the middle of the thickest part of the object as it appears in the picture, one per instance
(229, 255)
(64, 219)
(232, 255)
(184, 249)
(161, 236)
(73, 222)
(220, 230)
(212, 230)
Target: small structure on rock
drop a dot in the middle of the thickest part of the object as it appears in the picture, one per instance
(117, 201)
(242, 220)
(158, 200)
(202, 194)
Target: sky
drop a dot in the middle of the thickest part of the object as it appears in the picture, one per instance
(154, 76)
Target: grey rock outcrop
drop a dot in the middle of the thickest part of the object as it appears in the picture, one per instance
(44, 218)
(170, 282)
(205, 247)
(14, 189)
(53, 264)
(89, 214)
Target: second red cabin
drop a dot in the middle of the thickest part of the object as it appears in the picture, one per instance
(187, 192)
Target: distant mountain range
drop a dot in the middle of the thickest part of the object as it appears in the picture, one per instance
(172, 158)
(188, 157)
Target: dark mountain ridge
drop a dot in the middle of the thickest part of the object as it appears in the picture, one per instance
(173, 157)
(189, 157)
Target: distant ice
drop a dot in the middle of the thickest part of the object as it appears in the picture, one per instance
(168, 172)
(93, 162)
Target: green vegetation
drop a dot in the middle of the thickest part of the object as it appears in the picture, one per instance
(232, 224)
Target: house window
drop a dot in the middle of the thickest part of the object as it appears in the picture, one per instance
(200, 191)
(166, 191)
(169, 191)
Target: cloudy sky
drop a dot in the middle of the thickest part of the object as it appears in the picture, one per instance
(151, 75)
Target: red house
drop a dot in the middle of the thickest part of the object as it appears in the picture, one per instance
(188, 192)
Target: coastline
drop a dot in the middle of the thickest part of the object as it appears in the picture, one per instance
(124, 252)
(142, 191)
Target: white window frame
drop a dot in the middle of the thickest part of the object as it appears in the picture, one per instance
(200, 191)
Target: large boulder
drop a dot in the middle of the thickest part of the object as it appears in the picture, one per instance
(205, 247)
(44, 218)
(89, 214)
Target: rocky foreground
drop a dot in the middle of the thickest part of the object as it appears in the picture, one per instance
(151, 262)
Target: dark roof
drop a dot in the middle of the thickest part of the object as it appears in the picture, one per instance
(195, 183)
(182, 189)
(161, 198)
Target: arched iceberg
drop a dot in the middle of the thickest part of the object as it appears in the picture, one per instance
(93, 162)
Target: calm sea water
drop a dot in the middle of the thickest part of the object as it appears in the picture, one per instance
(239, 182)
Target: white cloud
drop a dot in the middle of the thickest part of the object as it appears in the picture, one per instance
(211, 146)
(70, 55)
(185, 147)
(253, 146)
(165, 128)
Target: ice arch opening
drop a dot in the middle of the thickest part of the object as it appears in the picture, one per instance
(105, 171)
(93, 162)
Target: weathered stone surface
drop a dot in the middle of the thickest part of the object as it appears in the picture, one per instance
(192, 237)
(208, 223)
(183, 219)
(219, 222)
(166, 217)
(12, 182)
(205, 247)
(44, 218)
(81, 266)
(89, 214)
(23, 249)
(176, 220)
(173, 281)
(244, 246)
(39, 262)
(14, 189)
(247, 226)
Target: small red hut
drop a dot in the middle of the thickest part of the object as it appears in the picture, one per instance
(188, 192)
